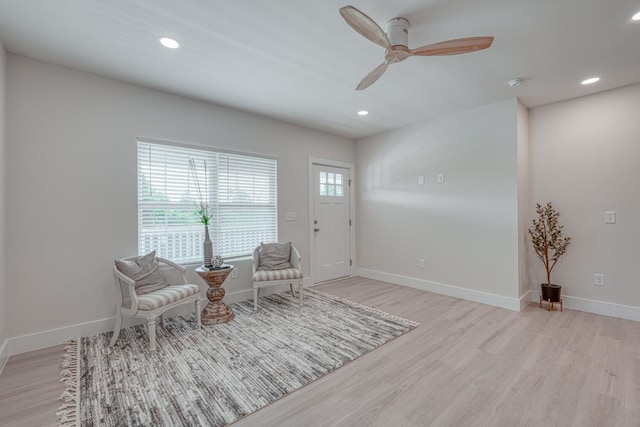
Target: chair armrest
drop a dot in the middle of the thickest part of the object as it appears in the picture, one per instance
(174, 274)
(256, 260)
(127, 290)
(296, 261)
(172, 264)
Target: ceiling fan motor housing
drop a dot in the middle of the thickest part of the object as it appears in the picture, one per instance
(397, 30)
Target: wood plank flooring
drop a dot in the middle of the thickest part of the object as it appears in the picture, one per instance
(30, 387)
(467, 364)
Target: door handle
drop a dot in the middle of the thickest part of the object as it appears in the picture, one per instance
(316, 229)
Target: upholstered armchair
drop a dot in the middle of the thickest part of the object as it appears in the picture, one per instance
(276, 264)
(149, 287)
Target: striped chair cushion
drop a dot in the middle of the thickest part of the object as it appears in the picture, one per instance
(284, 274)
(166, 296)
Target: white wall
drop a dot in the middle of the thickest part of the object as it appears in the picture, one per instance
(72, 205)
(467, 228)
(585, 157)
(3, 67)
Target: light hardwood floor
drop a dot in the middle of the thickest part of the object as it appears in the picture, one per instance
(467, 364)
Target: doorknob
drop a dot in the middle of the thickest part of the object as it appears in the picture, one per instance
(316, 229)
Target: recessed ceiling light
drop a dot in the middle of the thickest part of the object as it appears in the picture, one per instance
(169, 42)
(591, 80)
(363, 112)
(636, 17)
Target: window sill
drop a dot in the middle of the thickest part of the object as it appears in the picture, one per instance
(226, 261)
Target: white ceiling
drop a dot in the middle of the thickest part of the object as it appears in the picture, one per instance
(298, 61)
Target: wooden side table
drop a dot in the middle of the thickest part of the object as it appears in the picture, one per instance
(216, 311)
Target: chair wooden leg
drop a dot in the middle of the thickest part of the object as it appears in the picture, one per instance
(116, 330)
(255, 298)
(161, 319)
(300, 293)
(151, 325)
(561, 305)
(292, 293)
(540, 301)
(198, 317)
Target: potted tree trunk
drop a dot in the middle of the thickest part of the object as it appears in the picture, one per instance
(549, 245)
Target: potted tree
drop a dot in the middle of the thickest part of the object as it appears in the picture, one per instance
(549, 245)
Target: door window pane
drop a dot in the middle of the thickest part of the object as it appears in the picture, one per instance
(331, 184)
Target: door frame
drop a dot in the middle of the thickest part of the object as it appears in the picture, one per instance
(352, 212)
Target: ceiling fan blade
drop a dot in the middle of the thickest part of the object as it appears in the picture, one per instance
(365, 26)
(453, 47)
(374, 75)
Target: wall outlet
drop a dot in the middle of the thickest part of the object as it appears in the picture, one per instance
(234, 273)
(421, 263)
(598, 279)
(609, 217)
(440, 179)
(290, 216)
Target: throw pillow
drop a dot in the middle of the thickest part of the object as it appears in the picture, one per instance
(275, 256)
(144, 270)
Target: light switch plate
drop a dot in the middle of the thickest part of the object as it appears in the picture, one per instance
(440, 178)
(290, 216)
(609, 217)
(421, 180)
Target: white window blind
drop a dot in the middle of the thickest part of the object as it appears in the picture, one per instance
(239, 189)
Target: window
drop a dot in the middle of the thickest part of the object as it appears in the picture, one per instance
(239, 189)
(331, 184)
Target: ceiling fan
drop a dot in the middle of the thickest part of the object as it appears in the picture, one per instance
(396, 39)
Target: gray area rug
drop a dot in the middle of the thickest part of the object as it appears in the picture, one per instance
(218, 374)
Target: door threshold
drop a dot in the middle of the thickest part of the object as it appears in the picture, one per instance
(331, 280)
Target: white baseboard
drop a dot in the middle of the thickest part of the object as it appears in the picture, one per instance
(51, 337)
(596, 307)
(234, 297)
(502, 301)
(4, 355)
(525, 299)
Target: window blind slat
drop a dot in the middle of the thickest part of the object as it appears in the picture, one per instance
(240, 190)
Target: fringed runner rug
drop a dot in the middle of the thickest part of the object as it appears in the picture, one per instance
(218, 374)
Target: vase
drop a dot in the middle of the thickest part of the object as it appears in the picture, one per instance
(208, 248)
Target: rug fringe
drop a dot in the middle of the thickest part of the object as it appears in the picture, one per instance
(68, 413)
(364, 307)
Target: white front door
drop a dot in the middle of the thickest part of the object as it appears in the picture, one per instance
(331, 223)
